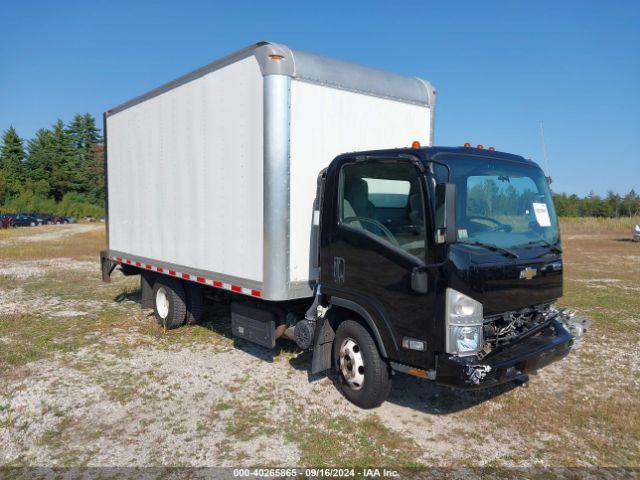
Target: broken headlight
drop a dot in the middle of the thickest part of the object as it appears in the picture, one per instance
(464, 324)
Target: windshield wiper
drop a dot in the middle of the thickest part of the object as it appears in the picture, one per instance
(493, 248)
(551, 246)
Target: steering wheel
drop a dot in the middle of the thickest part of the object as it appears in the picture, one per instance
(499, 225)
(387, 233)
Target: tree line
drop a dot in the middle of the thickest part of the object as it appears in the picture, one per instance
(59, 170)
(592, 205)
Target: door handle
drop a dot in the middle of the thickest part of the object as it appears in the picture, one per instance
(338, 270)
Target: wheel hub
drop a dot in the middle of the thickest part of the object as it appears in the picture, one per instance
(162, 302)
(352, 363)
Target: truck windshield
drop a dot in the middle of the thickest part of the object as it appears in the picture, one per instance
(501, 203)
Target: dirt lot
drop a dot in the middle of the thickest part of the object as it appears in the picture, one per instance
(88, 378)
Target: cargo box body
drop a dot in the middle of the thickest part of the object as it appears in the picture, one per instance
(213, 176)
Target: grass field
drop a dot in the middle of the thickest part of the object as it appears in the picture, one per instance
(87, 378)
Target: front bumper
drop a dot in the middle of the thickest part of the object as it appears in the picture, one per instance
(509, 363)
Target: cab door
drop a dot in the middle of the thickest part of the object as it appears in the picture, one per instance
(373, 243)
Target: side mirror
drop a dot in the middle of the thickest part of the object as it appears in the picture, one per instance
(446, 229)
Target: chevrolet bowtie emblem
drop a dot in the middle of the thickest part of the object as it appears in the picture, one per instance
(528, 273)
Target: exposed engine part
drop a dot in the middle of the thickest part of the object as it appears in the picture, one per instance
(576, 325)
(477, 372)
(303, 333)
(505, 327)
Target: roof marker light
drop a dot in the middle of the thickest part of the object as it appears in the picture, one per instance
(493, 149)
(467, 145)
(480, 147)
(415, 144)
(276, 56)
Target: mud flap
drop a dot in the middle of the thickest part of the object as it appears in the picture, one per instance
(106, 267)
(322, 348)
(146, 290)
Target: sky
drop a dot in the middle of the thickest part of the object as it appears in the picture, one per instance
(499, 67)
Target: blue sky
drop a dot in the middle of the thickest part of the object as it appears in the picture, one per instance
(499, 67)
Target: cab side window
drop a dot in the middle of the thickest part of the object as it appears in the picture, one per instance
(384, 199)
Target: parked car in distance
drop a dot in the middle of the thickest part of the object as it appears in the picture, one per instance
(636, 233)
(51, 219)
(6, 221)
(26, 220)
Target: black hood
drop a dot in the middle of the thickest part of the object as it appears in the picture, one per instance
(502, 283)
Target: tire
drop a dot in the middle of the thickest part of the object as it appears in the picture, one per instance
(363, 375)
(195, 303)
(169, 302)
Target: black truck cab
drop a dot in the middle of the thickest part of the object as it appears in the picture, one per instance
(449, 258)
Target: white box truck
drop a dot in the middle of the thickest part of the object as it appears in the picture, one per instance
(231, 182)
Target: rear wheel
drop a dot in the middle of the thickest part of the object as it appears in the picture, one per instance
(169, 302)
(364, 375)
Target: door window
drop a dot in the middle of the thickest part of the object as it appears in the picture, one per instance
(384, 199)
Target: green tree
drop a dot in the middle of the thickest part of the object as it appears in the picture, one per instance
(83, 133)
(65, 164)
(11, 157)
(38, 165)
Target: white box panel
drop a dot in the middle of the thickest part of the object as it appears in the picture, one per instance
(326, 122)
(185, 174)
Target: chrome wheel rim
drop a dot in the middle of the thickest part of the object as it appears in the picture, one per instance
(162, 303)
(352, 363)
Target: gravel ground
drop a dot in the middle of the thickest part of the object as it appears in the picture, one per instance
(129, 395)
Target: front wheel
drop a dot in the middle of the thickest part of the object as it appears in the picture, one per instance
(364, 375)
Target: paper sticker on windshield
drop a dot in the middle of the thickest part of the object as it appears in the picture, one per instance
(462, 233)
(542, 214)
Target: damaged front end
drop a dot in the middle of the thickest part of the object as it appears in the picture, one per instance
(515, 344)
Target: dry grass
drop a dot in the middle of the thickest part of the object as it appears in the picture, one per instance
(598, 225)
(81, 245)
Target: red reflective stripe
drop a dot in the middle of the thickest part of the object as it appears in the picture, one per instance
(200, 279)
(216, 283)
(256, 293)
(138, 264)
(159, 269)
(236, 288)
(119, 259)
(148, 267)
(128, 261)
(172, 272)
(186, 276)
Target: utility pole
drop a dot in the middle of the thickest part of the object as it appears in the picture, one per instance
(544, 149)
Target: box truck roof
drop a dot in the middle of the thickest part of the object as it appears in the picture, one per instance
(275, 58)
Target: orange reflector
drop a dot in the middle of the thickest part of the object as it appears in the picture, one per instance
(415, 144)
(492, 149)
(467, 145)
(276, 56)
(417, 373)
(479, 147)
